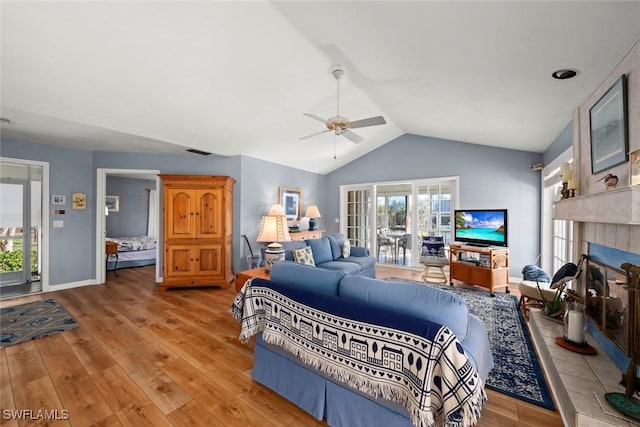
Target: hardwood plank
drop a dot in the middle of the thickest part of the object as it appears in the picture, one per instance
(6, 393)
(40, 395)
(168, 358)
(73, 384)
(129, 402)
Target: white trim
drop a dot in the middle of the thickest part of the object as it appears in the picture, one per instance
(71, 285)
(44, 250)
(101, 193)
(546, 210)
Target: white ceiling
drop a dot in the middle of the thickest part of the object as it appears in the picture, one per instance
(234, 77)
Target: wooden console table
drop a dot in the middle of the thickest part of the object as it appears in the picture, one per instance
(243, 276)
(306, 235)
(481, 266)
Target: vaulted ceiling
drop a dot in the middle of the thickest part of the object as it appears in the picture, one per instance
(234, 78)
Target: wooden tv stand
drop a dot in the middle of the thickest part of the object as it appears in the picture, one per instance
(481, 266)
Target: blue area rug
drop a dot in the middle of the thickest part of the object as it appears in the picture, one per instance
(517, 372)
(26, 322)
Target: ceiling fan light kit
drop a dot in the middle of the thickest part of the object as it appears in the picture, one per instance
(339, 125)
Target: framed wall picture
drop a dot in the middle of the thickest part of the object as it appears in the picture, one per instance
(289, 198)
(58, 199)
(608, 125)
(113, 203)
(634, 168)
(79, 201)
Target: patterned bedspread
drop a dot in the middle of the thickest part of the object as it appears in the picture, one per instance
(134, 243)
(417, 363)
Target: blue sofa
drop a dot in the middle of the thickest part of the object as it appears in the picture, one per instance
(322, 396)
(327, 254)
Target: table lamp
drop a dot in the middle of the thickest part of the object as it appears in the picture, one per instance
(312, 213)
(273, 228)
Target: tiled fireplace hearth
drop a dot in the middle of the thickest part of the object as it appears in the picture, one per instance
(605, 223)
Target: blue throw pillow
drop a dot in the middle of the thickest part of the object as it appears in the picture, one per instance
(535, 274)
(321, 250)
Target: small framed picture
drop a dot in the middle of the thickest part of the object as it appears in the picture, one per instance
(634, 168)
(78, 201)
(113, 203)
(289, 198)
(58, 199)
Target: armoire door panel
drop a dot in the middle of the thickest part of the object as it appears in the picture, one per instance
(210, 214)
(180, 260)
(181, 217)
(209, 260)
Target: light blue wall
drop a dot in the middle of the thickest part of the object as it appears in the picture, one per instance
(71, 251)
(489, 178)
(132, 217)
(563, 141)
(261, 180)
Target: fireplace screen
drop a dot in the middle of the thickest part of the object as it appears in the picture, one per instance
(607, 300)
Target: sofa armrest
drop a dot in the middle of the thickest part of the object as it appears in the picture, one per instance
(359, 251)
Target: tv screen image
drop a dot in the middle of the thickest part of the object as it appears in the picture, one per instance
(484, 227)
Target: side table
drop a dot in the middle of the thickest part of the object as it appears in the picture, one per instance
(243, 276)
(111, 249)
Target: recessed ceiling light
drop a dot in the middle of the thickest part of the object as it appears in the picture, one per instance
(6, 121)
(566, 73)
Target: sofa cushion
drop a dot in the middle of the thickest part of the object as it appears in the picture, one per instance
(289, 247)
(321, 249)
(425, 302)
(304, 256)
(337, 241)
(364, 261)
(347, 267)
(306, 277)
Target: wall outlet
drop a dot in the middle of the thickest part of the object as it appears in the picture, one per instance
(337, 220)
(58, 223)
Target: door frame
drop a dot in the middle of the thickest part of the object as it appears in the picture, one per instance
(44, 243)
(101, 222)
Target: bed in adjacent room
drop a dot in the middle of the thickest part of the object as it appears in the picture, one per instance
(133, 251)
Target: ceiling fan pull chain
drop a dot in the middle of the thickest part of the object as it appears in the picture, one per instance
(334, 146)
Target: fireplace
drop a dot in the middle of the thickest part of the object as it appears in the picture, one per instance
(606, 295)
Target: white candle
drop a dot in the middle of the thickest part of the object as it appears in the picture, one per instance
(567, 175)
(575, 329)
(572, 184)
(564, 167)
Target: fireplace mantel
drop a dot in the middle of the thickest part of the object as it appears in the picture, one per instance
(617, 206)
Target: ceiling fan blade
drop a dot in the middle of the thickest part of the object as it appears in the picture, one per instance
(353, 137)
(313, 116)
(371, 121)
(315, 134)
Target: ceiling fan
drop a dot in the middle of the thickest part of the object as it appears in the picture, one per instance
(340, 125)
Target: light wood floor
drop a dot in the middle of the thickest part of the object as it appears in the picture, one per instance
(143, 357)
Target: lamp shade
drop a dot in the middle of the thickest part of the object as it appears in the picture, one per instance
(276, 210)
(313, 212)
(273, 228)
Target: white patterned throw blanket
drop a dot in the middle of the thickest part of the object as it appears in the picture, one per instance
(417, 363)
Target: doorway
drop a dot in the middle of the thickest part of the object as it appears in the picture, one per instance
(101, 218)
(23, 259)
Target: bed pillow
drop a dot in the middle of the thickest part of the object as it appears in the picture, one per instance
(304, 256)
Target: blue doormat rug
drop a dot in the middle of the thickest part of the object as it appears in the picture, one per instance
(516, 372)
(33, 320)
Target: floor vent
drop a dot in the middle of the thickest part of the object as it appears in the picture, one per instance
(194, 151)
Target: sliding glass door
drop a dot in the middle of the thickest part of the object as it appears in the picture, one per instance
(390, 218)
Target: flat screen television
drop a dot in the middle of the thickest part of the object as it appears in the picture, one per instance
(481, 227)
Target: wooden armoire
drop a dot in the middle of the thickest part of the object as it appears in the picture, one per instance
(197, 229)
